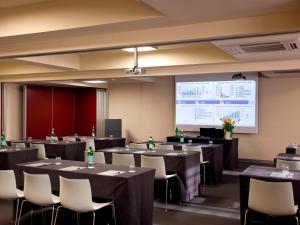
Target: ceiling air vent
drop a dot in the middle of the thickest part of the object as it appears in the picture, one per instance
(262, 47)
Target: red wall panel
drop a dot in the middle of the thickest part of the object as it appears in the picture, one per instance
(39, 111)
(85, 110)
(63, 110)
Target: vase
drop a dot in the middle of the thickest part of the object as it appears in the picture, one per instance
(228, 135)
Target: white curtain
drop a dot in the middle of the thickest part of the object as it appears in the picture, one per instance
(102, 111)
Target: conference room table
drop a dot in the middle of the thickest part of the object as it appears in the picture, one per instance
(10, 156)
(187, 166)
(103, 142)
(266, 174)
(230, 148)
(67, 150)
(132, 192)
(213, 153)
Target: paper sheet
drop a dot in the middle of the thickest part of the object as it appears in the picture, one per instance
(38, 164)
(72, 168)
(112, 172)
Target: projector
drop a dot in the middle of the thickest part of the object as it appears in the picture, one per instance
(135, 70)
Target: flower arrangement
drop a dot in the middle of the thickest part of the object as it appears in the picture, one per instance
(228, 124)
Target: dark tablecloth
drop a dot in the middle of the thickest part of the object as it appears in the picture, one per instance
(10, 157)
(187, 167)
(230, 148)
(212, 153)
(132, 193)
(264, 173)
(64, 149)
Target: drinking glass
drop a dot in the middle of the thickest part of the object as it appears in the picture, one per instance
(184, 150)
(190, 141)
(58, 159)
(131, 168)
(210, 142)
(285, 168)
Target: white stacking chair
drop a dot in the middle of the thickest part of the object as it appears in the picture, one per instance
(202, 162)
(41, 150)
(271, 198)
(164, 147)
(48, 138)
(90, 142)
(18, 144)
(69, 139)
(158, 163)
(134, 145)
(293, 165)
(123, 159)
(38, 191)
(76, 195)
(8, 188)
(99, 157)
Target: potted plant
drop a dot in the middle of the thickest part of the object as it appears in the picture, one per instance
(228, 127)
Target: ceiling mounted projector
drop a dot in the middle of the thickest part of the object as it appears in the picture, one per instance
(136, 70)
(238, 76)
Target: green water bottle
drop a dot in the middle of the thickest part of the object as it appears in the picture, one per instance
(90, 157)
(177, 132)
(3, 140)
(53, 135)
(151, 143)
(181, 137)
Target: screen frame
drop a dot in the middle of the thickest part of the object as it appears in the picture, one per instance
(217, 77)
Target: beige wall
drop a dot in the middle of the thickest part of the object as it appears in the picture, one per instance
(13, 111)
(145, 108)
(148, 109)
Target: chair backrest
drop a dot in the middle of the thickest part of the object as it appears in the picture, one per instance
(90, 142)
(69, 139)
(37, 188)
(164, 147)
(196, 149)
(18, 144)
(271, 198)
(8, 188)
(293, 165)
(134, 145)
(158, 163)
(123, 159)
(99, 157)
(41, 149)
(76, 194)
(48, 138)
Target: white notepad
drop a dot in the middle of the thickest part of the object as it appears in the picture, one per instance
(281, 175)
(173, 153)
(140, 152)
(111, 172)
(38, 164)
(3, 150)
(113, 150)
(72, 168)
(296, 157)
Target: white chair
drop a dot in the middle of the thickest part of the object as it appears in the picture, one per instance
(164, 147)
(48, 138)
(76, 195)
(271, 198)
(37, 190)
(8, 190)
(99, 157)
(41, 150)
(134, 145)
(90, 142)
(72, 139)
(158, 163)
(293, 165)
(202, 162)
(18, 145)
(123, 159)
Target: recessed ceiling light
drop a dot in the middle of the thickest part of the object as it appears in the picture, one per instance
(95, 81)
(141, 49)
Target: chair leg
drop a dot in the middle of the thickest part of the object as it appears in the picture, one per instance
(204, 174)
(20, 213)
(17, 210)
(166, 195)
(114, 213)
(56, 214)
(94, 215)
(77, 214)
(297, 220)
(245, 217)
(52, 216)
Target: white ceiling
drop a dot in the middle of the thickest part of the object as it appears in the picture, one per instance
(208, 10)
(15, 3)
